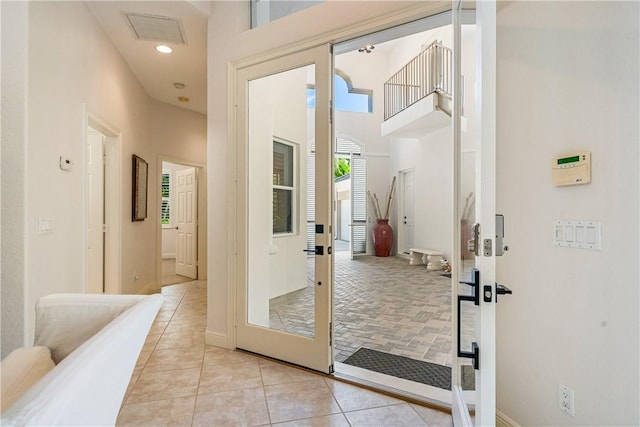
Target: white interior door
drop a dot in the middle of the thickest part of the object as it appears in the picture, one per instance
(283, 263)
(475, 297)
(187, 219)
(95, 176)
(408, 220)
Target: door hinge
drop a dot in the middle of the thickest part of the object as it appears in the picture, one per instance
(105, 159)
(104, 228)
(331, 112)
(330, 333)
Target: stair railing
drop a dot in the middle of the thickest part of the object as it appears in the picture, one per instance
(429, 72)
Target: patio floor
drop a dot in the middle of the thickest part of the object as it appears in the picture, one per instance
(383, 304)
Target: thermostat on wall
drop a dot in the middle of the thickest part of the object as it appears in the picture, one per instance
(572, 169)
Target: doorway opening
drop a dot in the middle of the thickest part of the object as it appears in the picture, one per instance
(179, 206)
(393, 318)
(102, 206)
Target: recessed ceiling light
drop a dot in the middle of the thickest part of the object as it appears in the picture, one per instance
(179, 85)
(368, 48)
(183, 99)
(164, 48)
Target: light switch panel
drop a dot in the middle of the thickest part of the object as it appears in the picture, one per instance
(577, 234)
(44, 225)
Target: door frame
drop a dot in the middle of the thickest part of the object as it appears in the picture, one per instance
(201, 173)
(112, 200)
(414, 11)
(343, 34)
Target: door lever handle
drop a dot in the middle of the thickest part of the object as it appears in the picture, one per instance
(319, 250)
(502, 290)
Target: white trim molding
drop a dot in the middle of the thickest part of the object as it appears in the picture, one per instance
(217, 339)
(503, 420)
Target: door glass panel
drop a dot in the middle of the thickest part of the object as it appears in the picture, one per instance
(281, 229)
(467, 203)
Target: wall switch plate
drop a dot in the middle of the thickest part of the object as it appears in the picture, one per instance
(566, 400)
(44, 225)
(577, 234)
(66, 164)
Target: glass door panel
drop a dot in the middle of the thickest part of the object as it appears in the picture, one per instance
(281, 239)
(474, 154)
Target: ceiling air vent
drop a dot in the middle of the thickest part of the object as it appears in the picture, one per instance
(156, 28)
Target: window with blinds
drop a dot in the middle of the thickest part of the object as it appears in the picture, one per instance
(283, 188)
(165, 212)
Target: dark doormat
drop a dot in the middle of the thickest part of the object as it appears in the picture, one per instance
(410, 369)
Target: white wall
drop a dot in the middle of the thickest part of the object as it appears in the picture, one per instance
(13, 89)
(431, 157)
(568, 80)
(180, 135)
(71, 63)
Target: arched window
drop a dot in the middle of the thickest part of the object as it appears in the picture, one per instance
(345, 97)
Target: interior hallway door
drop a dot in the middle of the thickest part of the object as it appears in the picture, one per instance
(96, 225)
(187, 242)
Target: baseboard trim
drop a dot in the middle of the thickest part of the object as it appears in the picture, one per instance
(149, 288)
(216, 339)
(503, 420)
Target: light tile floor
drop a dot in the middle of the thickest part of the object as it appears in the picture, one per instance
(169, 276)
(180, 381)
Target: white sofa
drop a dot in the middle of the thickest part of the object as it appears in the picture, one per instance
(95, 341)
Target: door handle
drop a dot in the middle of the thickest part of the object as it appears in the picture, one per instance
(474, 282)
(502, 290)
(319, 250)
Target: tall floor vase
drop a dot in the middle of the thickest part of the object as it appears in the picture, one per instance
(382, 237)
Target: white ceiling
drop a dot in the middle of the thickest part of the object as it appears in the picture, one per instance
(156, 71)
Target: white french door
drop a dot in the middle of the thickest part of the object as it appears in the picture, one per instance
(475, 290)
(283, 246)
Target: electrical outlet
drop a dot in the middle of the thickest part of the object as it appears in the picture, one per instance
(566, 400)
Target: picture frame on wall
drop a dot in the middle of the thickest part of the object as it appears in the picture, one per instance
(139, 193)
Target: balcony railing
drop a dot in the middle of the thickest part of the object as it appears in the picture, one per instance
(429, 72)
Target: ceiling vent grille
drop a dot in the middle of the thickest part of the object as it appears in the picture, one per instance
(156, 28)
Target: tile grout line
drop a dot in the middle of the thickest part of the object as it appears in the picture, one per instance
(195, 401)
(264, 393)
(337, 402)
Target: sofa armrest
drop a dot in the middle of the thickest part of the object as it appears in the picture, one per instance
(65, 321)
(87, 387)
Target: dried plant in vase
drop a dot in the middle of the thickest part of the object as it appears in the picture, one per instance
(382, 231)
